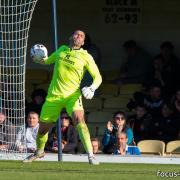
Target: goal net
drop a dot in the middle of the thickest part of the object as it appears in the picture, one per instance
(15, 17)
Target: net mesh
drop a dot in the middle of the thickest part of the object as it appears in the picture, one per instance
(15, 17)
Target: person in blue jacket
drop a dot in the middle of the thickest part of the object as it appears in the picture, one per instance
(118, 124)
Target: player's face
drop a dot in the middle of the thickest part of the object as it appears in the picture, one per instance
(32, 120)
(78, 38)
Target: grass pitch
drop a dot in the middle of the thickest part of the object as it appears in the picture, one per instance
(17, 170)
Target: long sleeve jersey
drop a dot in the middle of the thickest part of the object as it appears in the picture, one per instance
(69, 69)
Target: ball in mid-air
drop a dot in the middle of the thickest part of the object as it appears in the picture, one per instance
(38, 53)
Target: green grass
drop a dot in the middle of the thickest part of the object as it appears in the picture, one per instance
(16, 170)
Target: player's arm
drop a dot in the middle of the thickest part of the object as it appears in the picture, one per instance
(54, 56)
(94, 72)
(92, 68)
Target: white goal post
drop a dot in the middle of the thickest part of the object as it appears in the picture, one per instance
(15, 18)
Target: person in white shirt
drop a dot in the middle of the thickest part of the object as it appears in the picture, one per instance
(30, 134)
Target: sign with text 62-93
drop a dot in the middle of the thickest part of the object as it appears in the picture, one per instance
(122, 11)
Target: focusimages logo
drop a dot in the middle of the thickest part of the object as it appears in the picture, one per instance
(168, 174)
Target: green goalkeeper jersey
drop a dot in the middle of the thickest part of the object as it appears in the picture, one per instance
(70, 66)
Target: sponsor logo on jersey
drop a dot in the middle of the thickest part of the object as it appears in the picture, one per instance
(66, 59)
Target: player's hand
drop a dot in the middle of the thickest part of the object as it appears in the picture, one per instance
(88, 92)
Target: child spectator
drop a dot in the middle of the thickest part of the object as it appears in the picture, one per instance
(96, 145)
(119, 124)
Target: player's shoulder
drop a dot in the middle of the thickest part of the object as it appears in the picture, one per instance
(86, 54)
(83, 51)
(63, 48)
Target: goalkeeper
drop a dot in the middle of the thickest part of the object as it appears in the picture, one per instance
(71, 62)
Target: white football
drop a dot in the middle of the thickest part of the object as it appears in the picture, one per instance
(38, 52)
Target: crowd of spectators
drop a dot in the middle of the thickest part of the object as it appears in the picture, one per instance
(154, 111)
(154, 116)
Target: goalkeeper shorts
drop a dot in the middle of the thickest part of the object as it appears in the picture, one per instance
(52, 107)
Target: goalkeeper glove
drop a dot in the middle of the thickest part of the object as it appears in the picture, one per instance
(88, 92)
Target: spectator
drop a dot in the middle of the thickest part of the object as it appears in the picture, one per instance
(30, 134)
(137, 65)
(157, 75)
(96, 145)
(38, 98)
(119, 124)
(69, 136)
(176, 102)
(138, 98)
(170, 66)
(7, 132)
(165, 128)
(176, 109)
(154, 100)
(140, 123)
(123, 148)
